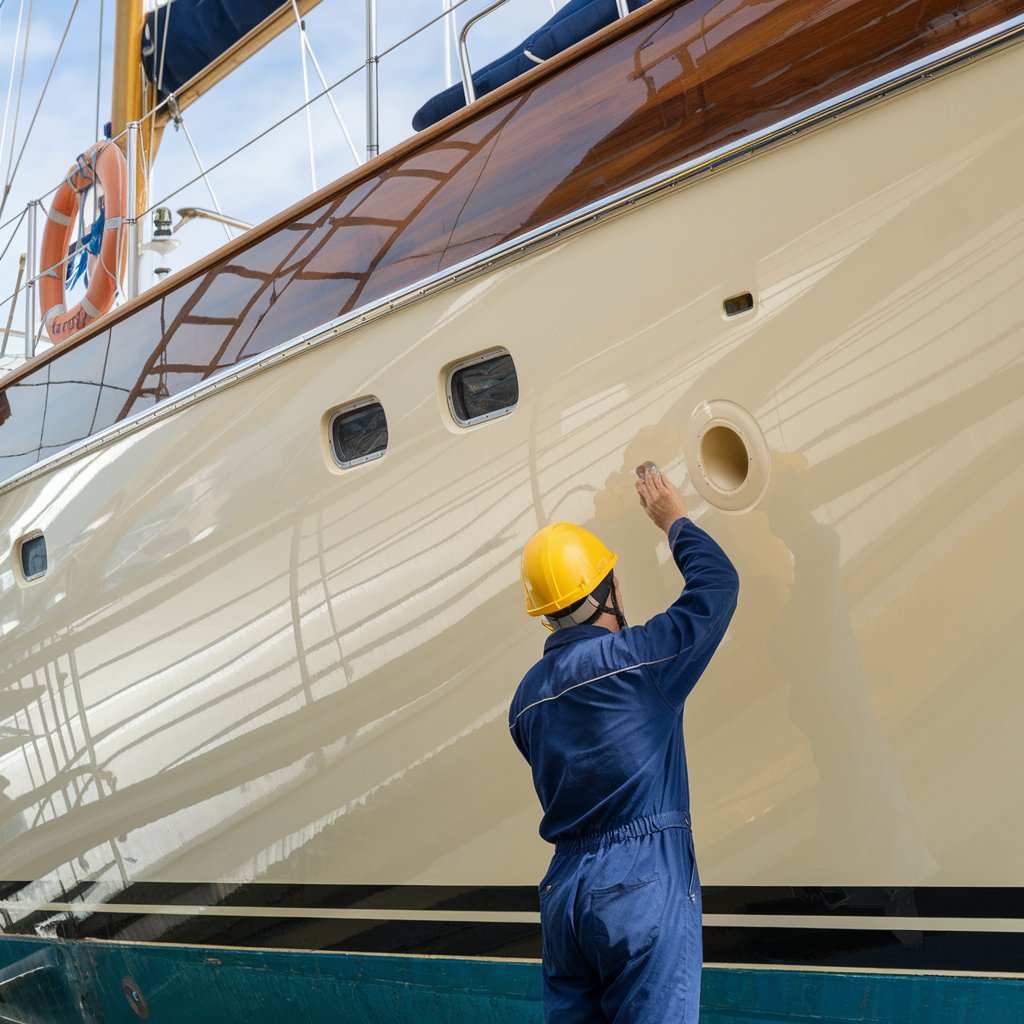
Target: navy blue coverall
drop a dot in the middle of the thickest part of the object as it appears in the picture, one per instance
(599, 719)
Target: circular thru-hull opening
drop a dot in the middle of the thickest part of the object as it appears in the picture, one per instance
(727, 456)
(724, 457)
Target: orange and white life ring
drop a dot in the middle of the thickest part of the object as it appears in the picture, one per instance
(105, 162)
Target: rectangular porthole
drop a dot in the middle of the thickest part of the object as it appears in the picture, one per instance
(359, 433)
(738, 304)
(33, 557)
(482, 388)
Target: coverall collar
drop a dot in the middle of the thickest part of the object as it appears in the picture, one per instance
(570, 635)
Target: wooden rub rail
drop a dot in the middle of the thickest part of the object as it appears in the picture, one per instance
(672, 81)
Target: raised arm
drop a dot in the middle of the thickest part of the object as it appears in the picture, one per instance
(678, 643)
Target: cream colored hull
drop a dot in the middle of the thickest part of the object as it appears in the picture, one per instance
(247, 664)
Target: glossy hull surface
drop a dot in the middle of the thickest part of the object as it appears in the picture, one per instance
(260, 700)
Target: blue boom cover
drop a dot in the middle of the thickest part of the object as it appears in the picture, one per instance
(575, 21)
(188, 35)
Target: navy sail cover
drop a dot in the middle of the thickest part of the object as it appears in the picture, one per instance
(186, 36)
(573, 22)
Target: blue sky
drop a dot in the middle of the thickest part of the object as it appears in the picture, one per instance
(271, 174)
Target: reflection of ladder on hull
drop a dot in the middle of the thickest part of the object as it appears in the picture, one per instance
(358, 233)
(46, 718)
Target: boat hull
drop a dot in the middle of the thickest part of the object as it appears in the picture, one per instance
(256, 708)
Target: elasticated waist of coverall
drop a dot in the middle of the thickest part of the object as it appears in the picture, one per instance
(633, 830)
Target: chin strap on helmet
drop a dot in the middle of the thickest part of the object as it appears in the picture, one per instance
(591, 607)
(615, 609)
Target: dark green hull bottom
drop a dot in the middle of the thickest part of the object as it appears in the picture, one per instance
(44, 982)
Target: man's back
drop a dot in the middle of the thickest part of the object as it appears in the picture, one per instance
(599, 719)
(599, 716)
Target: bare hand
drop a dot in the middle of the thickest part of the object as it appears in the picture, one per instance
(658, 497)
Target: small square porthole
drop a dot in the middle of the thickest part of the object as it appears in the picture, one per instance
(737, 304)
(483, 387)
(359, 433)
(33, 557)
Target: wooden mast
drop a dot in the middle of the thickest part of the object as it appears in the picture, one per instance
(127, 101)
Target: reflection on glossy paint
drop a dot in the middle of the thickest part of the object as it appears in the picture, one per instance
(265, 671)
(863, 815)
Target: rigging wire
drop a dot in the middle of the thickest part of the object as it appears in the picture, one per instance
(10, 80)
(17, 105)
(14, 306)
(42, 96)
(170, 100)
(163, 44)
(305, 90)
(160, 36)
(99, 78)
(330, 99)
(203, 173)
(298, 110)
(256, 138)
(14, 233)
(99, 73)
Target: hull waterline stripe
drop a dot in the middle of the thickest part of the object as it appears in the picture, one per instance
(315, 913)
(848, 102)
(865, 923)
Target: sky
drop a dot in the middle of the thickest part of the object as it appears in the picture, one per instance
(269, 175)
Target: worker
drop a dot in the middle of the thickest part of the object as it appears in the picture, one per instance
(599, 719)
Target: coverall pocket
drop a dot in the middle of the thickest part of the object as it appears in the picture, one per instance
(626, 919)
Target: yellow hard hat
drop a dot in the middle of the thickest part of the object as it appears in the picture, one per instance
(562, 564)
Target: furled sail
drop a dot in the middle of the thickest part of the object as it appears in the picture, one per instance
(182, 38)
